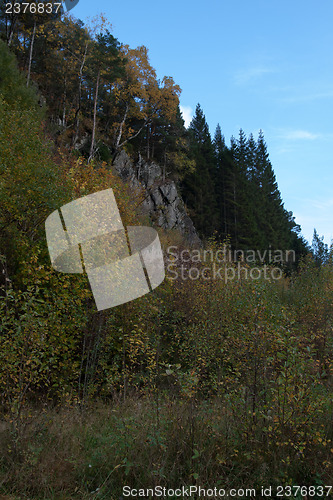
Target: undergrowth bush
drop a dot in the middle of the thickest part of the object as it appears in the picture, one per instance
(223, 384)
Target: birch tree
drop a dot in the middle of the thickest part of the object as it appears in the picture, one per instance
(141, 97)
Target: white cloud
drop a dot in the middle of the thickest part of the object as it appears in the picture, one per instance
(251, 74)
(298, 95)
(187, 113)
(295, 135)
(323, 204)
(282, 151)
(316, 215)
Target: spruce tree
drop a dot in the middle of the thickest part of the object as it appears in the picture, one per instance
(320, 249)
(246, 226)
(220, 180)
(199, 187)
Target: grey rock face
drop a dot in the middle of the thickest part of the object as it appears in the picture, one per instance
(163, 203)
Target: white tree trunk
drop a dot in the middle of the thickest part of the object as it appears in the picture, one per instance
(92, 147)
(31, 51)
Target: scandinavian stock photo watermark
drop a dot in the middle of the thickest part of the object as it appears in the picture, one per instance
(123, 263)
(226, 264)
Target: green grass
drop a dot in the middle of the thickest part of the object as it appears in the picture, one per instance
(93, 452)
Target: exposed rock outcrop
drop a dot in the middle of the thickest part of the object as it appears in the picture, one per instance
(162, 202)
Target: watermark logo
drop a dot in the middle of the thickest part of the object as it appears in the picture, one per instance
(226, 264)
(87, 235)
(42, 11)
(70, 4)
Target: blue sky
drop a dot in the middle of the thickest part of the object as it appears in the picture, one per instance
(254, 65)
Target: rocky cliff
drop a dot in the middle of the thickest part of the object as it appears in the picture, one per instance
(162, 201)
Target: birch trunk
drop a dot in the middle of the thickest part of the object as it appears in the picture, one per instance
(77, 114)
(31, 51)
(92, 147)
